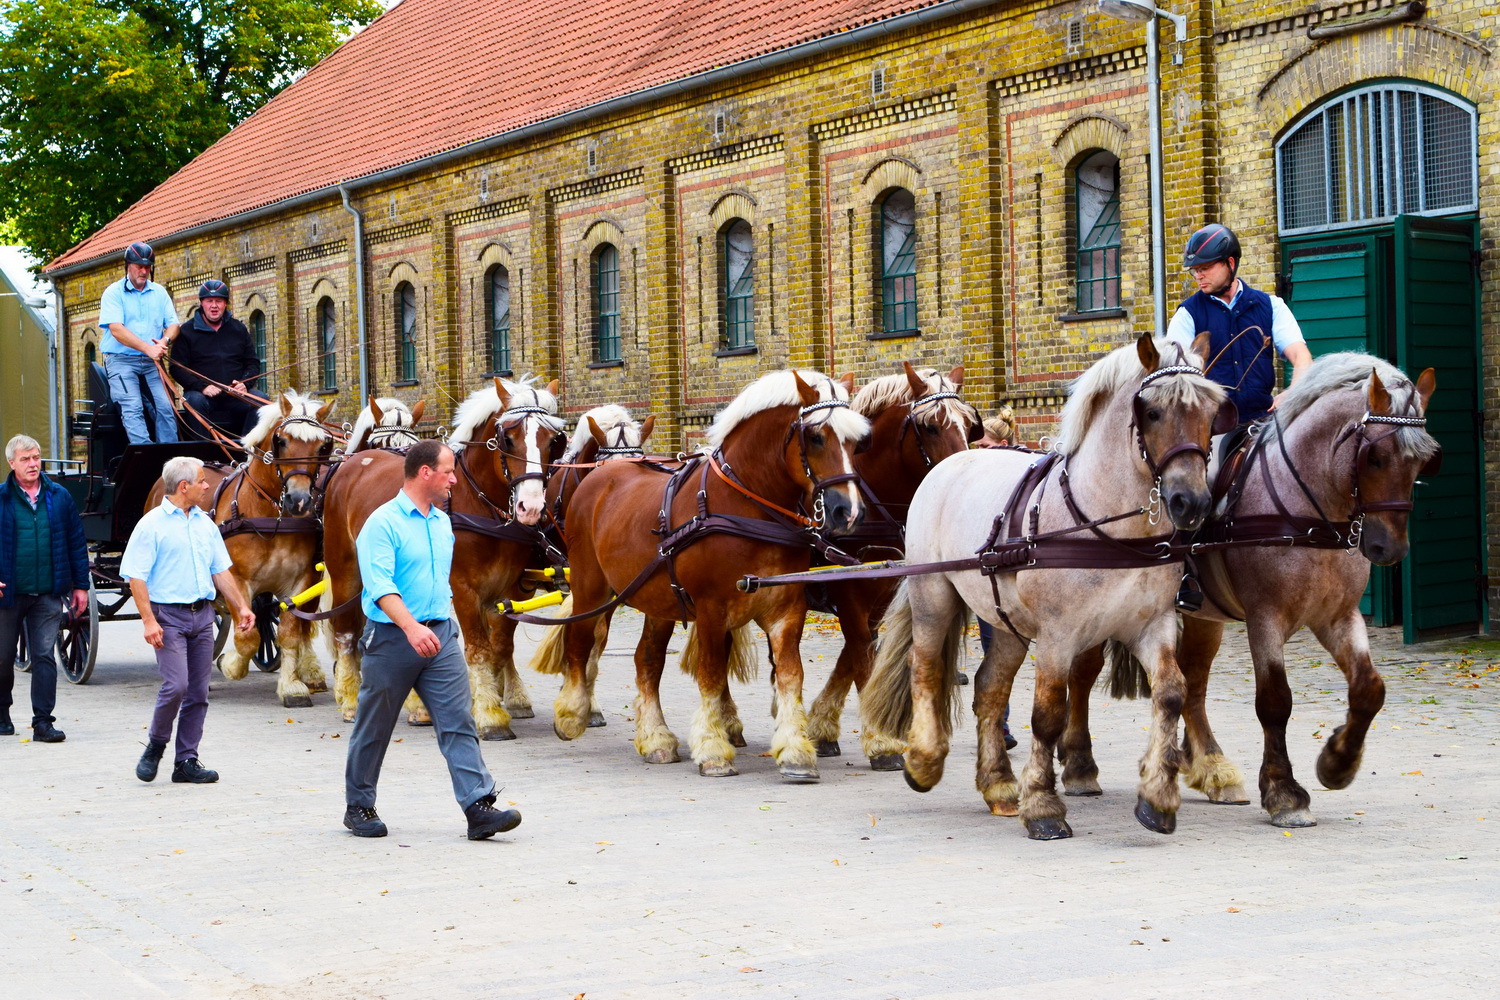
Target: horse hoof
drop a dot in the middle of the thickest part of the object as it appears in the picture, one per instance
(737, 740)
(1335, 774)
(1081, 787)
(1048, 829)
(297, 701)
(1153, 818)
(913, 783)
(963, 678)
(887, 762)
(1003, 809)
(717, 769)
(419, 720)
(1294, 819)
(596, 720)
(495, 733)
(829, 748)
(662, 756)
(799, 774)
(521, 711)
(317, 687)
(1234, 795)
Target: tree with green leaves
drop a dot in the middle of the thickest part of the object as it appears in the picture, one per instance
(102, 100)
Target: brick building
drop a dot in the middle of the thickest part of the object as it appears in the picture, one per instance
(655, 203)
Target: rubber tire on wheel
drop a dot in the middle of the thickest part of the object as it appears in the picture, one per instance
(267, 655)
(78, 641)
(223, 628)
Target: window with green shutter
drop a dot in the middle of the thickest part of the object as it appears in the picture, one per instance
(605, 275)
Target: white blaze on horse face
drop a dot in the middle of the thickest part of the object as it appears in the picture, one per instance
(531, 495)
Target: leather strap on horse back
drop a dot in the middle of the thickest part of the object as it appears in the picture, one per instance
(263, 526)
(319, 616)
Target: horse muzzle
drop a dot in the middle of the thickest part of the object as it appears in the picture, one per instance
(1381, 545)
(1187, 508)
(840, 515)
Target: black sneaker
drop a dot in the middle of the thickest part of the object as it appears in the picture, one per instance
(7, 728)
(485, 820)
(150, 760)
(363, 822)
(193, 772)
(46, 732)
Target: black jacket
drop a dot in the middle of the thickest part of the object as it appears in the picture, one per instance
(225, 355)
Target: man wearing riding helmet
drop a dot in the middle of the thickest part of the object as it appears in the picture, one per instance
(139, 321)
(214, 361)
(1246, 326)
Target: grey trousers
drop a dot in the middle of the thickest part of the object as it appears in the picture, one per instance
(42, 615)
(185, 659)
(390, 669)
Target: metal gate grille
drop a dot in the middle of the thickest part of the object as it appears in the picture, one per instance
(1374, 154)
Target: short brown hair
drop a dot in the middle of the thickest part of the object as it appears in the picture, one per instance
(425, 452)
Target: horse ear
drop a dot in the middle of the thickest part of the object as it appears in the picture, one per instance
(956, 375)
(326, 409)
(848, 382)
(1426, 386)
(1145, 349)
(375, 411)
(805, 392)
(1380, 399)
(1201, 346)
(918, 387)
(554, 385)
(416, 411)
(501, 391)
(647, 426)
(596, 433)
(286, 405)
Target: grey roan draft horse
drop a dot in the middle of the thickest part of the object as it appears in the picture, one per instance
(1134, 440)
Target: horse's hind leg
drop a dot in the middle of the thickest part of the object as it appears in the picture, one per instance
(1348, 642)
(796, 756)
(1080, 774)
(938, 616)
(992, 684)
(290, 688)
(824, 722)
(1204, 765)
(653, 740)
(512, 689)
(712, 750)
(1040, 807)
(1280, 794)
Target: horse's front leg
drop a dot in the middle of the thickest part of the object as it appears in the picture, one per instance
(490, 717)
(234, 661)
(713, 750)
(1158, 797)
(513, 690)
(1347, 640)
(1280, 794)
(796, 756)
(292, 637)
(992, 685)
(1040, 807)
(1204, 766)
(583, 644)
(1080, 774)
(653, 740)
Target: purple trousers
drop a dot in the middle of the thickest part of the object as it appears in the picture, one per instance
(185, 659)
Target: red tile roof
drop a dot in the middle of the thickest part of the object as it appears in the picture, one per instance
(432, 75)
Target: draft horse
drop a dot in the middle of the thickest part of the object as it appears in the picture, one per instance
(385, 423)
(1322, 490)
(1071, 554)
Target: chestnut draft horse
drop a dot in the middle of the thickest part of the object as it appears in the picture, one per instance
(1327, 469)
(674, 546)
(385, 423)
(504, 435)
(267, 511)
(1068, 555)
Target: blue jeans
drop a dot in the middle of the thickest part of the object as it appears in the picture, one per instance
(125, 388)
(42, 615)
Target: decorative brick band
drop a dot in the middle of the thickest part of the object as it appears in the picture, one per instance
(599, 185)
(1304, 20)
(483, 212)
(405, 231)
(919, 107)
(761, 146)
(1072, 71)
(250, 267)
(190, 283)
(318, 252)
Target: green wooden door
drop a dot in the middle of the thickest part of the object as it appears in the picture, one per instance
(1436, 326)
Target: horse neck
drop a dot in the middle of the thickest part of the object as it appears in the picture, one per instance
(477, 467)
(746, 449)
(891, 473)
(253, 502)
(1323, 469)
(1105, 471)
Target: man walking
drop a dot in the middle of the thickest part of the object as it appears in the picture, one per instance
(213, 350)
(410, 641)
(139, 322)
(174, 560)
(43, 561)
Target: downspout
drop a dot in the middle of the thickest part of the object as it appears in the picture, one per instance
(359, 292)
(54, 338)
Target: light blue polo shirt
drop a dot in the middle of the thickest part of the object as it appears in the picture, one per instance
(402, 552)
(175, 553)
(145, 313)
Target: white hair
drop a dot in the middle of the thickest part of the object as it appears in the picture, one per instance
(18, 444)
(179, 470)
(780, 389)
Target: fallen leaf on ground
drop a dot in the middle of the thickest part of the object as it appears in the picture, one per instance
(743, 968)
(873, 820)
(1231, 909)
(937, 923)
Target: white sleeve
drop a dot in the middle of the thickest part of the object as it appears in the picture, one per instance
(1284, 328)
(1180, 330)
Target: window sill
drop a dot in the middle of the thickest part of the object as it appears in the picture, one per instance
(327, 391)
(617, 363)
(893, 335)
(737, 352)
(1084, 317)
(405, 382)
(502, 373)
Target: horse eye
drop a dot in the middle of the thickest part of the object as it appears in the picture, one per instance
(1375, 462)
(815, 438)
(1153, 414)
(931, 430)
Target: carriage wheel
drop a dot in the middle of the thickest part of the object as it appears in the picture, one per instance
(78, 641)
(267, 618)
(223, 628)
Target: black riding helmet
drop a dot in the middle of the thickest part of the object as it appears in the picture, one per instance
(140, 253)
(213, 288)
(1213, 243)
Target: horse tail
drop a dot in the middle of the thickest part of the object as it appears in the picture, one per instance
(548, 658)
(1127, 675)
(885, 705)
(743, 663)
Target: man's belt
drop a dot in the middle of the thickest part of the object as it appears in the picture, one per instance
(197, 605)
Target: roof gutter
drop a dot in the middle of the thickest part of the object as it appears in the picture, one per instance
(628, 102)
(359, 291)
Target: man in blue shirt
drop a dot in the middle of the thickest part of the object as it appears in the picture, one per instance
(174, 561)
(411, 641)
(139, 321)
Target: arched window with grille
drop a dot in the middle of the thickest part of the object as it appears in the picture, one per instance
(736, 285)
(258, 338)
(1096, 228)
(1369, 155)
(328, 344)
(604, 274)
(406, 332)
(896, 263)
(497, 318)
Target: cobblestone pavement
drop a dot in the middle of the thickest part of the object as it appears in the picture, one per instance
(630, 880)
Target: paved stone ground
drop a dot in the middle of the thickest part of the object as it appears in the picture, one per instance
(628, 880)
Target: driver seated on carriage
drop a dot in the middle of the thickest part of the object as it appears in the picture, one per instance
(214, 361)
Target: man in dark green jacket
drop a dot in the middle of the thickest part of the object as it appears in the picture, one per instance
(43, 560)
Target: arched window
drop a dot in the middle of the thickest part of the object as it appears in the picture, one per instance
(258, 337)
(1096, 221)
(897, 263)
(497, 315)
(604, 275)
(1376, 153)
(328, 344)
(406, 332)
(736, 285)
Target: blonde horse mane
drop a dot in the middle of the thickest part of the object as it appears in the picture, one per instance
(780, 389)
(394, 415)
(607, 416)
(1348, 371)
(484, 403)
(1121, 369)
(270, 416)
(881, 394)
